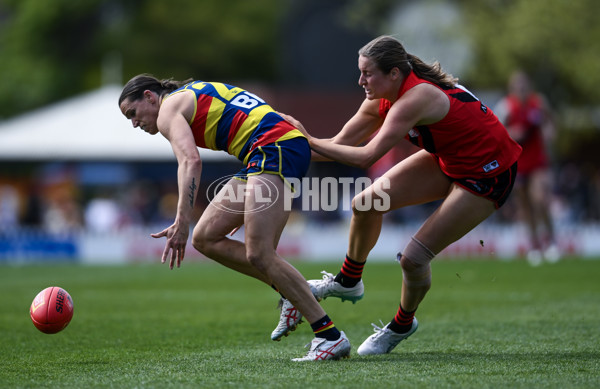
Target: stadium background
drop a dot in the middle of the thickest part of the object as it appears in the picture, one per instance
(77, 183)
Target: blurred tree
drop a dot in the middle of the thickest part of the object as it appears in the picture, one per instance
(320, 44)
(204, 39)
(557, 42)
(52, 49)
(44, 47)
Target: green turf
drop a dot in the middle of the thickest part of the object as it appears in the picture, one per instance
(484, 324)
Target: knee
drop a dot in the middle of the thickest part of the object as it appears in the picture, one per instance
(416, 276)
(200, 244)
(409, 266)
(416, 265)
(201, 241)
(258, 261)
(363, 207)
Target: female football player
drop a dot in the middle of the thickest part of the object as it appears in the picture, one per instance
(223, 117)
(467, 160)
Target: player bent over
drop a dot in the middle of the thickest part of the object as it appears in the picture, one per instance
(223, 117)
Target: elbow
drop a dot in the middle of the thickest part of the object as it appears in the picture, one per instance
(193, 162)
(365, 162)
(196, 162)
(364, 165)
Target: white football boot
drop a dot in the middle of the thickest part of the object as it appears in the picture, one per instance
(384, 340)
(289, 318)
(322, 349)
(327, 287)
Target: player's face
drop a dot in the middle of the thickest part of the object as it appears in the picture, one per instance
(142, 113)
(376, 84)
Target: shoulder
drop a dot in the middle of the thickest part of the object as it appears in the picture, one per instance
(416, 89)
(425, 102)
(180, 103)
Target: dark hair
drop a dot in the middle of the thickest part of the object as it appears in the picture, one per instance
(134, 89)
(388, 53)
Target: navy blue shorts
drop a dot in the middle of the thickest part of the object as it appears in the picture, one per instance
(288, 158)
(495, 189)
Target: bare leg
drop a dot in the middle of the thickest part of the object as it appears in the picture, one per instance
(365, 226)
(217, 221)
(262, 231)
(458, 214)
(539, 193)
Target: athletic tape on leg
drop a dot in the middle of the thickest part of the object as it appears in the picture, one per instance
(420, 257)
(417, 252)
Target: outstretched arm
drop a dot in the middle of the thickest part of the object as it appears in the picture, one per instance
(424, 104)
(173, 125)
(358, 129)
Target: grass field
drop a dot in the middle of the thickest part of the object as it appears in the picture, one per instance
(485, 324)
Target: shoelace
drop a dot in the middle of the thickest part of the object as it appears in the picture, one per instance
(327, 277)
(378, 330)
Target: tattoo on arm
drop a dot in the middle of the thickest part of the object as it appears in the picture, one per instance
(192, 195)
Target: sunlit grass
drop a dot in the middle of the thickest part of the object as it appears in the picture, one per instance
(484, 324)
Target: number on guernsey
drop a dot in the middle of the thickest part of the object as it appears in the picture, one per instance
(247, 100)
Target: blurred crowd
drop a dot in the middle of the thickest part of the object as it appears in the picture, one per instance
(57, 199)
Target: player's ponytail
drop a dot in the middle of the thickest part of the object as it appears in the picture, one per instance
(432, 73)
(134, 89)
(387, 52)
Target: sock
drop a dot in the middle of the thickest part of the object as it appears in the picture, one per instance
(324, 328)
(350, 273)
(402, 322)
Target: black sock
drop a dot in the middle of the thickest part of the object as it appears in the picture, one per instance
(324, 328)
(350, 274)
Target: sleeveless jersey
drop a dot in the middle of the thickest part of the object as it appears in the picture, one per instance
(234, 120)
(529, 116)
(469, 141)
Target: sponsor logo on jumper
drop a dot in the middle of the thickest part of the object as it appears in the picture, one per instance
(491, 166)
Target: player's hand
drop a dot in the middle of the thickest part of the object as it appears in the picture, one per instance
(175, 246)
(294, 122)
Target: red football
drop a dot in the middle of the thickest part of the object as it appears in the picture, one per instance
(51, 310)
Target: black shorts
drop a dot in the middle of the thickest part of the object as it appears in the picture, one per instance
(495, 189)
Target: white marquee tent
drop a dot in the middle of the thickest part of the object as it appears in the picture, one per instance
(87, 127)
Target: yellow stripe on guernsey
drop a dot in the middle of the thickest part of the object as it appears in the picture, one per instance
(295, 133)
(247, 128)
(224, 92)
(212, 120)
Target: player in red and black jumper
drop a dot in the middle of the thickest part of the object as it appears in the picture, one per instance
(467, 160)
(528, 119)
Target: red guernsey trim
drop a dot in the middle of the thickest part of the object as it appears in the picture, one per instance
(236, 123)
(271, 136)
(199, 123)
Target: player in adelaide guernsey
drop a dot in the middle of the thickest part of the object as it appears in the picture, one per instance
(224, 117)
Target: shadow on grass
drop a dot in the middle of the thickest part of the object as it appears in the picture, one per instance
(479, 357)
